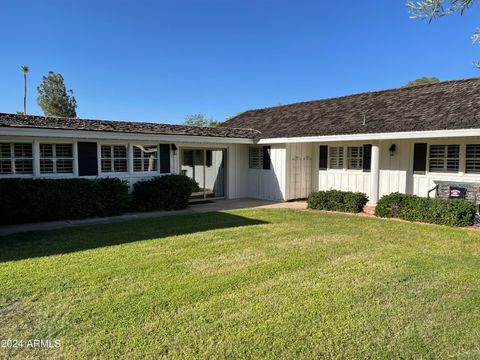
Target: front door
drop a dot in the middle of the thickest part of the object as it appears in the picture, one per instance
(207, 168)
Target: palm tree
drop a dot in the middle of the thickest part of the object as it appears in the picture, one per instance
(24, 70)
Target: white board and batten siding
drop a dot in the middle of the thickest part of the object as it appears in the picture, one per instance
(268, 184)
(299, 170)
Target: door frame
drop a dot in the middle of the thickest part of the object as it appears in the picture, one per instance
(225, 167)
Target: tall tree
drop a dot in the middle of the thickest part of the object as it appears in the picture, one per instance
(200, 120)
(433, 9)
(54, 98)
(24, 69)
(422, 81)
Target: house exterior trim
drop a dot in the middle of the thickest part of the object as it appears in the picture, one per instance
(99, 135)
(376, 136)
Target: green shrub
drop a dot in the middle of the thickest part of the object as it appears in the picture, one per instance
(168, 192)
(35, 200)
(455, 212)
(335, 200)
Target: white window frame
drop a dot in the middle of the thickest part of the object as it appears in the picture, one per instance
(142, 158)
(475, 158)
(255, 157)
(54, 158)
(338, 162)
(445, 158)
(113, 158)
(12, 158)
(358, 158)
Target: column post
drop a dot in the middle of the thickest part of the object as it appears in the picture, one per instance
(375, 174)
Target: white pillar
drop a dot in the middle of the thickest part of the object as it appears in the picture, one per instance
(130, 159)
(75, 158)
(36, 158)
(375, 174)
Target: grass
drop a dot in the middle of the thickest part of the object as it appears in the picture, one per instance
(244, 284)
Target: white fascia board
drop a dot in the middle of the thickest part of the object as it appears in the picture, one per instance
(99, 135)
(376, 136)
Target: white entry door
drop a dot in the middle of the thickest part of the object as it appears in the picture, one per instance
(300, 171)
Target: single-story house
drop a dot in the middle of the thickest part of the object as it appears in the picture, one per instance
(398, 140)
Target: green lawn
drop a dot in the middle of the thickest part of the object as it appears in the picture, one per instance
(244, 284)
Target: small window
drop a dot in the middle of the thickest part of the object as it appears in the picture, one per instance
(114, 158)
(16, 159)
(473, 159)
(56, 158)
(336, 157)
(145, 158)
(444, 158)
(255, 157)
(355, 157)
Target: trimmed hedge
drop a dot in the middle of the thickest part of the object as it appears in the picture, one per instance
(454, 212)
(336, 200)
(35, 200)
(169, 192)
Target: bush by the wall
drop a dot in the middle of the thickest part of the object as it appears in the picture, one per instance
(169, 192)
(335, 200)
(454, 212)
(35, 200)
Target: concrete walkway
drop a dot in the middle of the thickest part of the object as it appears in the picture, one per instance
(216, 205)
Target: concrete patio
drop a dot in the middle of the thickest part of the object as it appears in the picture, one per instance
(216, 205)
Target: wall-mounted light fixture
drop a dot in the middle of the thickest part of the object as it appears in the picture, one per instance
(173, 147)
(392, 149)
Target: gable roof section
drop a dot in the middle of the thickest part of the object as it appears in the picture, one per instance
(448, 105)
(59, 123)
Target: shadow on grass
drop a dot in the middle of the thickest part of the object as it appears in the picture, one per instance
(68, 240)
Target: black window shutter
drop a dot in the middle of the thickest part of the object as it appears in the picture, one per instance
(165, 158)
(87, 159)
(266, 158)
(367, 157)
(420, 158)
(323, 161)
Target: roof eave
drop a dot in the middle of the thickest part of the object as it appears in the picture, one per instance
(376, 136)
(111, 135)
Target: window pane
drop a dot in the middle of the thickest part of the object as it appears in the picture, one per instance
(64, 150)
(46, 166)
(452, 165)
(46, 150)
(106, 165)
(120, 151)
(106, 151)
(473, 159)
(5, 166)
(120, 165)
(437, 151)
(23, 166)
(336, 157)
(444, 158)
(255, 157)
(437, 165)
(64, 166)
(22, 150)
(5, 150)
(355, 157)
(145, 157)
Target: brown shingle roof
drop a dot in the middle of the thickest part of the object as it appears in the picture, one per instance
(447, 105)
(42, 122)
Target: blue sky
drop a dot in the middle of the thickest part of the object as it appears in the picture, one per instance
(162, 60)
